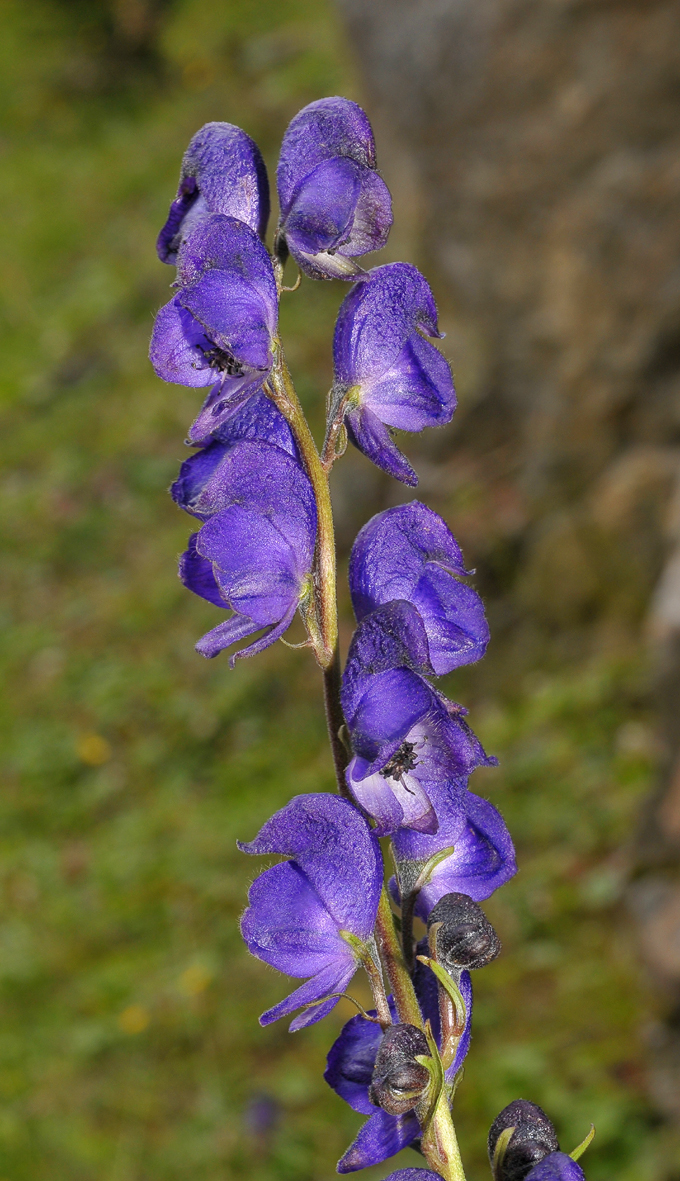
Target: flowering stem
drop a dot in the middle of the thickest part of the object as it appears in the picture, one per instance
(393, 959)
(439, 1143)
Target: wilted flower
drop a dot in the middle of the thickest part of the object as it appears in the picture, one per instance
(350, 1072)
(334, 205)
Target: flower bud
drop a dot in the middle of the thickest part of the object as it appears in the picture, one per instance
(464, 936)
(398, 1080)
(533, 1139)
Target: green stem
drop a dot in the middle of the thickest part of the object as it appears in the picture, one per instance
(439, 1143)
(284, 396)
(393, 959)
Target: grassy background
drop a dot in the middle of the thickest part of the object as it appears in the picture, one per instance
(129, 1048)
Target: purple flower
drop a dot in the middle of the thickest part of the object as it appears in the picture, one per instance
(409, 552)
(219, 328)
(413, 1175)
(334, 205)
(412, 748)
(300, 910)
(254, 554)
(556, 1167)
(483, 857)
(222, 172)
(257, 420)
(349, 1072)
(386, 373)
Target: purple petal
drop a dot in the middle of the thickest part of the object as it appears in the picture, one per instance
(196, 573)
(226, 280)
(179, 346)
(336, 849)
(483, 860)
(227, 399)
(392, 550)
(556, 1167)
(412, 1175)
(417, 391)
(236, 628)
(222, 172)
(381, 1137)
(371, 436)
(390, 705)
(326, 128)
(288, 926)
(333, 978)
(350, 1062)
(390, 637)
(377, 318)
(270, 482)
(254, 566)
(320, 217)
(454, 619)
(259, 420)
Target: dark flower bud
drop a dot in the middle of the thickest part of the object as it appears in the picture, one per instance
(398, 1080)
(464, 936)
(533, 1139)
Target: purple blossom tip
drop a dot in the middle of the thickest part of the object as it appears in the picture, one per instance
(409, 553)
(299, 909)
(389, 374)
(222, 172)
(334, 205)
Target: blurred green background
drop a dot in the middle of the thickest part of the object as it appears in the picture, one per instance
(129, 1044)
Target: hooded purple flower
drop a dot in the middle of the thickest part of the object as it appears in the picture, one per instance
(409, 552)
(219, 328)
(254, 554)
(483, 857)
(299, 909)
(350, 1069)
(386, 373)
(413, 749)
(222, 172)
(257, 420)
(334, 205)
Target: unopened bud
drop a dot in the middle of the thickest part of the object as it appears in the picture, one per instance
(463, 934)
(399, 1081)
(533, 1139)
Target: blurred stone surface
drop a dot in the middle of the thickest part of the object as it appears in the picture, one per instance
(534, 150)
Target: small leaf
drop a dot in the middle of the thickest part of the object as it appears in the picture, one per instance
(501, 1149)
(580, 1148)
(449, 986)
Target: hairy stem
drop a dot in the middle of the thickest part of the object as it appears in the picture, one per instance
(439, 1143)
(285, 398)
(393, 959)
